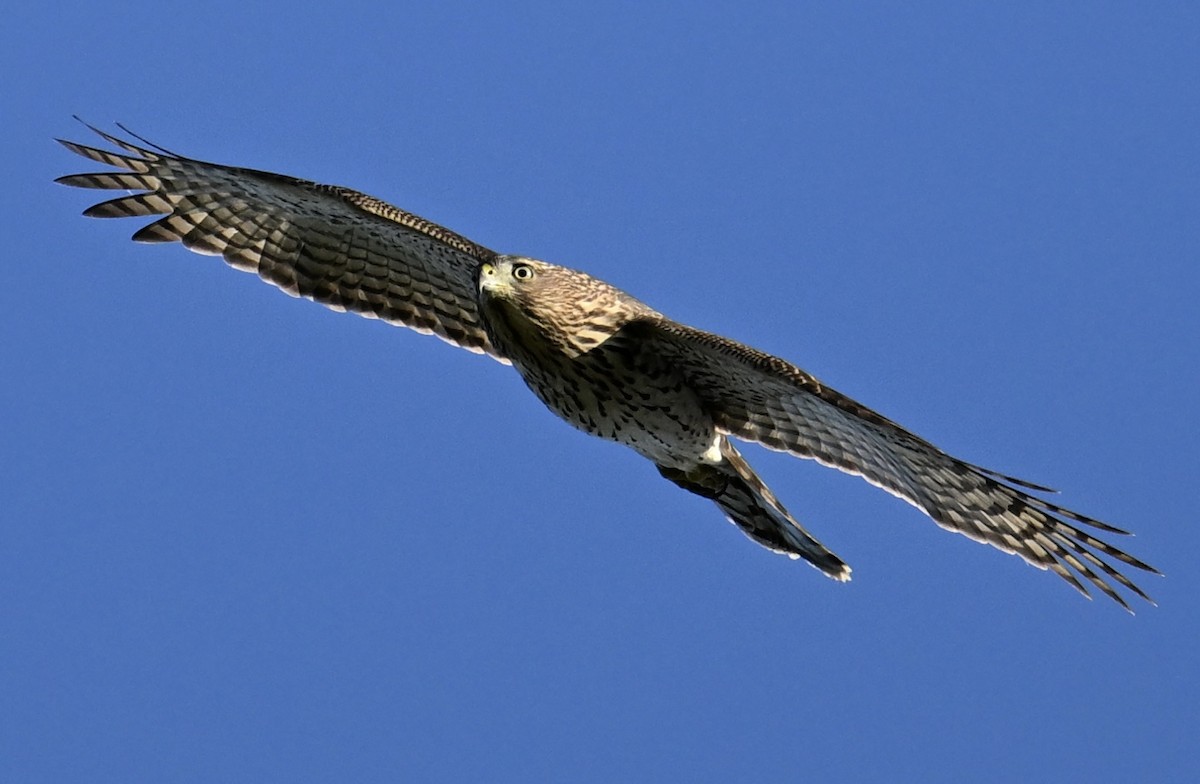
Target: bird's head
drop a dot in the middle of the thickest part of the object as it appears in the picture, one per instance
(516, 279)
(528, 300)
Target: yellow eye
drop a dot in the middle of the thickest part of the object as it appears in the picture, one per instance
(522, 271)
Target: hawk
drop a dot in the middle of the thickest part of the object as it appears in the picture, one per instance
(600, 359)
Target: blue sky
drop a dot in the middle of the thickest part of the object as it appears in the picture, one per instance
(244, 538)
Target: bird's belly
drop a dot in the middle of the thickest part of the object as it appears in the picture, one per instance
(654, 415)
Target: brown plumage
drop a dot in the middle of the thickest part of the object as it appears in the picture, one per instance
(598, 358)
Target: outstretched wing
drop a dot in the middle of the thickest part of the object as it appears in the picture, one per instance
(333, 245)
(758, 397)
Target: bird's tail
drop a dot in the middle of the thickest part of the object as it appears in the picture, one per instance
(748, 503)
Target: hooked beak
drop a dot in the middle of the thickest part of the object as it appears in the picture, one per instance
(490, 279)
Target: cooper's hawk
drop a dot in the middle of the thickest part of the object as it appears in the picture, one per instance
(598, 358)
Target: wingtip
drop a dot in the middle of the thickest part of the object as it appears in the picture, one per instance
(70, 145)
(147, 142)
(88, 125)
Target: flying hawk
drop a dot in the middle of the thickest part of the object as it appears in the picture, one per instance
(600, 359)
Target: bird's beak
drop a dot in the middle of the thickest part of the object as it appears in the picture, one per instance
(487, 274)
(489, 278)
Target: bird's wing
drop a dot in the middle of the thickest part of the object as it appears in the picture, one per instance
(333, 245)
(757, 397)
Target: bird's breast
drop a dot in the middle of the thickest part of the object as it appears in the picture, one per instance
(615, 391)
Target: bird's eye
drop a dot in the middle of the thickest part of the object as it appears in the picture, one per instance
(522, 271)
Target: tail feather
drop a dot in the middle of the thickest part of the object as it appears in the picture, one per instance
(748, 503)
